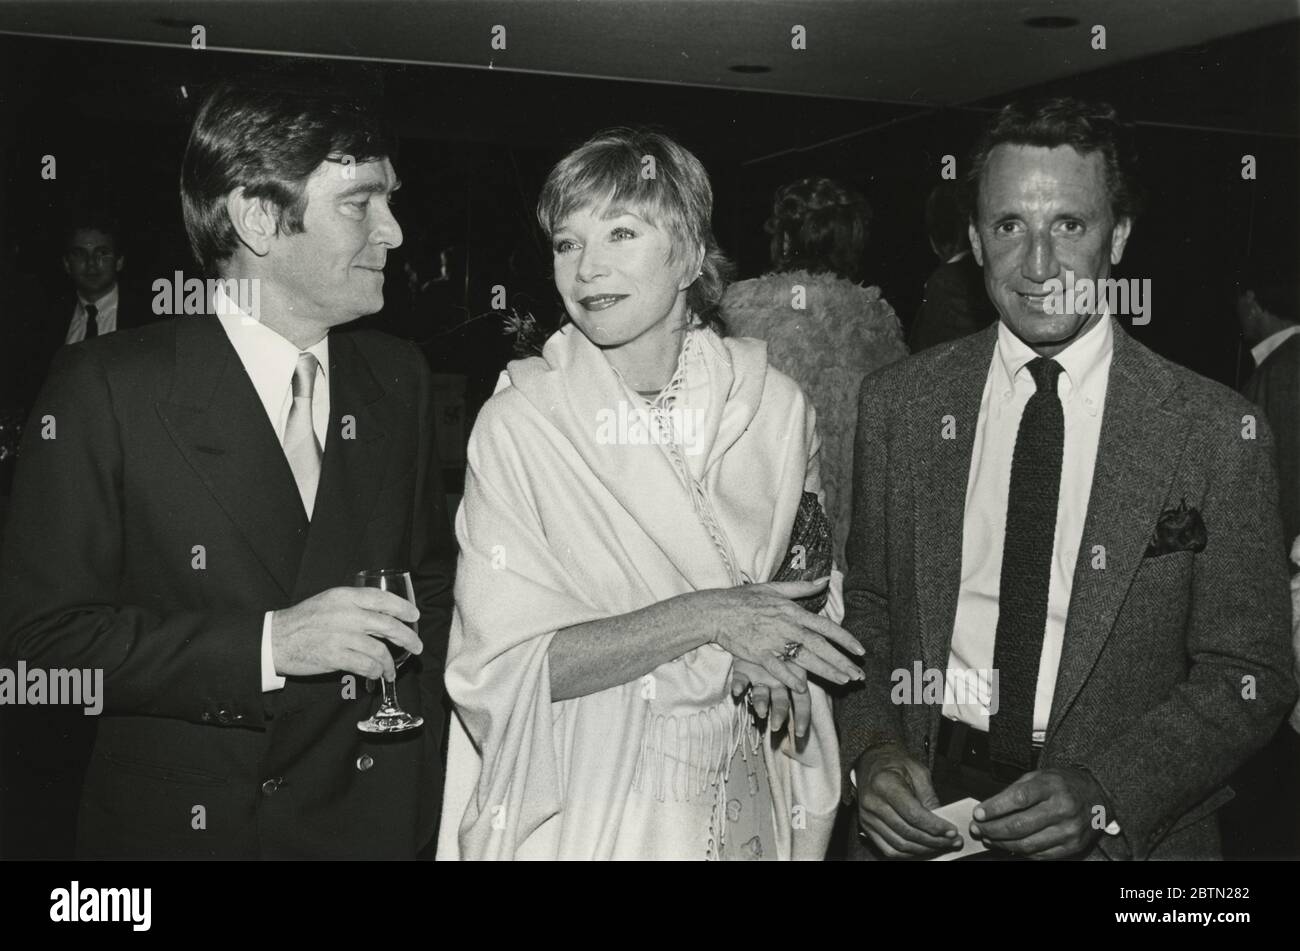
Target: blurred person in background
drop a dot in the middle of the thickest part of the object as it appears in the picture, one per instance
(954, 303)
(822, 326)
(93, 303)
(1264, 820)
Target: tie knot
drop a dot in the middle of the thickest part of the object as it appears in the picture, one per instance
(92, 311)
(1045, 373)
(304, 376)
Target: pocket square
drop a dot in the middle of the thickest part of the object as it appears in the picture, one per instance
(1180, 529)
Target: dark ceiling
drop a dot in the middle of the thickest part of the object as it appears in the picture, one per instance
(868, 65)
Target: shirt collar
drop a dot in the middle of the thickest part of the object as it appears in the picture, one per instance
(269, 358)
(106, 301)
(1265, 347)
(1084, 362)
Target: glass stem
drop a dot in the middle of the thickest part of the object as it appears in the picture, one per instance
(390, 696)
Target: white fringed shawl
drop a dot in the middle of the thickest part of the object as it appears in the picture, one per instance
(558, 527)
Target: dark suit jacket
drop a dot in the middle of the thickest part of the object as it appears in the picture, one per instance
(1275, 388)
(33, 338)
(162, 446)
(1149, 692)
(955, 305)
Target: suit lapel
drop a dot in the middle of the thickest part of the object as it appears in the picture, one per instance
(940, 472)
(129, 315)
(217, 422)
(1142, 440)
(352, 470)
(54, 332)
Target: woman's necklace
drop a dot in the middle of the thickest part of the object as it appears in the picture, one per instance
(662, 404)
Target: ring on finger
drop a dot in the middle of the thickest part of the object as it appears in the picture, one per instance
(790, 651)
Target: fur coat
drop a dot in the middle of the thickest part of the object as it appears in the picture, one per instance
(842, 332)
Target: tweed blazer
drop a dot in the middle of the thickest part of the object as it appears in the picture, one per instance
(1175, 664)
(1275, 388)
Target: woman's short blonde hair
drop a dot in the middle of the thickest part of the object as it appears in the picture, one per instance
(648, 173)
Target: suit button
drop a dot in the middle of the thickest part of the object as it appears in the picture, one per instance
(364, 762)
(271, 785)
(207, 717)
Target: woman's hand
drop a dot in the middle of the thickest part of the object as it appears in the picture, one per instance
(756, 623)
(767, 693)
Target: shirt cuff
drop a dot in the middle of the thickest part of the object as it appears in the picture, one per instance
(270, 679)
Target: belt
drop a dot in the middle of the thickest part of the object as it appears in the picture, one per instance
(962, 744)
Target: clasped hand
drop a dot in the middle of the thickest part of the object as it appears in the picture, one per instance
(755, 624)
(1046, 814)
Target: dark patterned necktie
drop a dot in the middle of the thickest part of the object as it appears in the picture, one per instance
(1027, 566)
(92, 321)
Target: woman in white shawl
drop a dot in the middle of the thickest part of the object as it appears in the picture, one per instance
(628, 495)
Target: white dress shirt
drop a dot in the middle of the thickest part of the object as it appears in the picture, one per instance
(1082, 391)
(1270, 343)
(105, 320)
(270, 360)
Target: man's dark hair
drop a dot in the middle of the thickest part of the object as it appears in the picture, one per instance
(268, 140)
(818, 225)
(1085, 126)
(84, 219)
(945, 219)
(1276, 284)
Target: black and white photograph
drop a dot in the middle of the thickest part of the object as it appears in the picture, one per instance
(652, 430)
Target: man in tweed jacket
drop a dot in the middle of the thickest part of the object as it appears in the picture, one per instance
(1164, 653)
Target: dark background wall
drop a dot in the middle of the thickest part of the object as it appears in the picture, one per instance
(476, 145)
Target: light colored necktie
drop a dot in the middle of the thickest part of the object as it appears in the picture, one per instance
(300, 445)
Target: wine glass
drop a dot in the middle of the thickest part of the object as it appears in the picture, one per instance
(390, 717)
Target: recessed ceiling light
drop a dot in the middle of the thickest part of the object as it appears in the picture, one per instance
(749, 68)
(1052, 22)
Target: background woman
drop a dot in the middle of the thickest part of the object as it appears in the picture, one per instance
(822, 327)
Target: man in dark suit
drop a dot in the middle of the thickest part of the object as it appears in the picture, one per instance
(1265, 821)
(1270, 324)
(93, 259)
(953, 303)
(194, 497)
(95, 303)
(44, 750)
(1076, 534)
